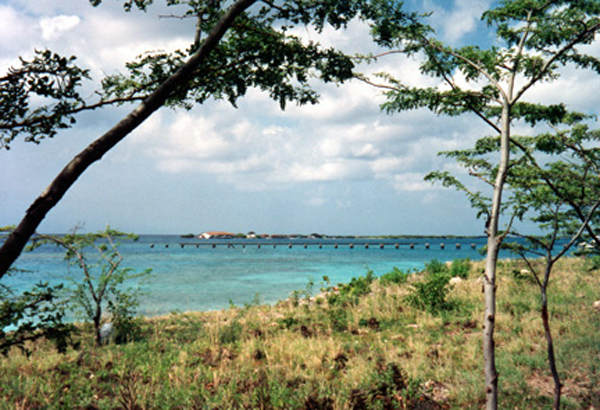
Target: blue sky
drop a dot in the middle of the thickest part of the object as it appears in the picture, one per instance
(340, 167)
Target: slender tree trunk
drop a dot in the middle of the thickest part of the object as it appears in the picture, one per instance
(550, 349)
(493, 247)
(16, 241)
(97, 320)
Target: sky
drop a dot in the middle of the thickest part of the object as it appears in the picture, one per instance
(339, 167)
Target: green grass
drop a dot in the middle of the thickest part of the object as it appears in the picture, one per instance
(364, 345)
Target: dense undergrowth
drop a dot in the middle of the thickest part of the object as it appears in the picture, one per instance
(402, 341)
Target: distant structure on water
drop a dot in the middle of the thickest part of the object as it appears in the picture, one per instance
(216, 235)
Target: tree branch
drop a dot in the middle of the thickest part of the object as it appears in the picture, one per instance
(551, 60)
(17, 240)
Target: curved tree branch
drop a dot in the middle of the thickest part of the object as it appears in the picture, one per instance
(16, 241)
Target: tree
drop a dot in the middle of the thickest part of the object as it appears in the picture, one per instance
(562, 197)
(553, 181)
(244, 45)
(536, 38)
(48, 76)
(100, 286)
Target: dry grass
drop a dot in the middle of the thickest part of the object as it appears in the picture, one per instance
(379, 352)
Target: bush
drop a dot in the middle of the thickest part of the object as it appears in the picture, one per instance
(350, 293)
(391, 388)
(592, 262)
(31, 315)
(460, 268)
(395, 276)
(126, 326)
(339, 319)
(430, 294)
(435, 266)
(230, 333)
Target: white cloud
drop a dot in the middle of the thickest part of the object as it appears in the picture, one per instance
(411, 182)
(457, 19)
(54, 27)
(16, 33)
(314, 152)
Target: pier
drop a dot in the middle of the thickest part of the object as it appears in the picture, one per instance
(313, 244)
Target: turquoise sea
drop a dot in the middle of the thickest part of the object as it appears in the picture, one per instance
(196, 274)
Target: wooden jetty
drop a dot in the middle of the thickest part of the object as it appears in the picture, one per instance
(305, 245)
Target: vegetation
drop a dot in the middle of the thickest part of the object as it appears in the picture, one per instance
(99, 287)
(533, 39)
(237, 46)
(37, 313)
(390, 354)
(553, 183)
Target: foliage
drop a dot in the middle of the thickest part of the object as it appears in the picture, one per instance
(230, 333)
(431, 293)
(393, 387)
(350, 293)
(34, 314)
(100, 286)
(338, 317)
(50, 78)
(395, 276)
(416, 360)
(258, 51)
(533, 40)
(126, 325)
(236, 46)
(460, 268)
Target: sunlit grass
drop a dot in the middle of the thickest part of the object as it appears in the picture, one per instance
(369, 351)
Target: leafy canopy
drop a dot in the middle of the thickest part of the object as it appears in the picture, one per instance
(258, 51)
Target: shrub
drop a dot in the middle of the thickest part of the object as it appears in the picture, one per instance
(230, 333)
(395, 276)
(592, 262)
(126, 326)
(339, 319)
(391, 388)
(350, 293)
(31, 315)
(460, 268)
(430, 294)
(101, 279)
(435, 266)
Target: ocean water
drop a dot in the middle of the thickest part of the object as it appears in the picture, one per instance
(197, 275)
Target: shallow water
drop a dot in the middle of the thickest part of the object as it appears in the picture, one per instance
(192, 278)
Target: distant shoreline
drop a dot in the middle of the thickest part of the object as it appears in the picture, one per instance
(326, 236)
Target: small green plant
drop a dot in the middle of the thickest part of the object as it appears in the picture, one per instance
(100, 285)
(287, 322)
(395, 276)
(37, 313)
(253, 303)
(435, 266)
(230, 333)
(592, 262)
(126, 325)
(339, 319)
(460, 268)
(350, 293)
(34, 314)
(391, 387)
(430, 293)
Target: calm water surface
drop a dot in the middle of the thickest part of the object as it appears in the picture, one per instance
(203, 277)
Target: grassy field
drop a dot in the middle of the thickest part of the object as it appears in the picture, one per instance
(400, 341)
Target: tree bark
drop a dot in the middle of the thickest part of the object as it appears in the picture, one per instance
(16, 241)
(550, 344)
(493, 247)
